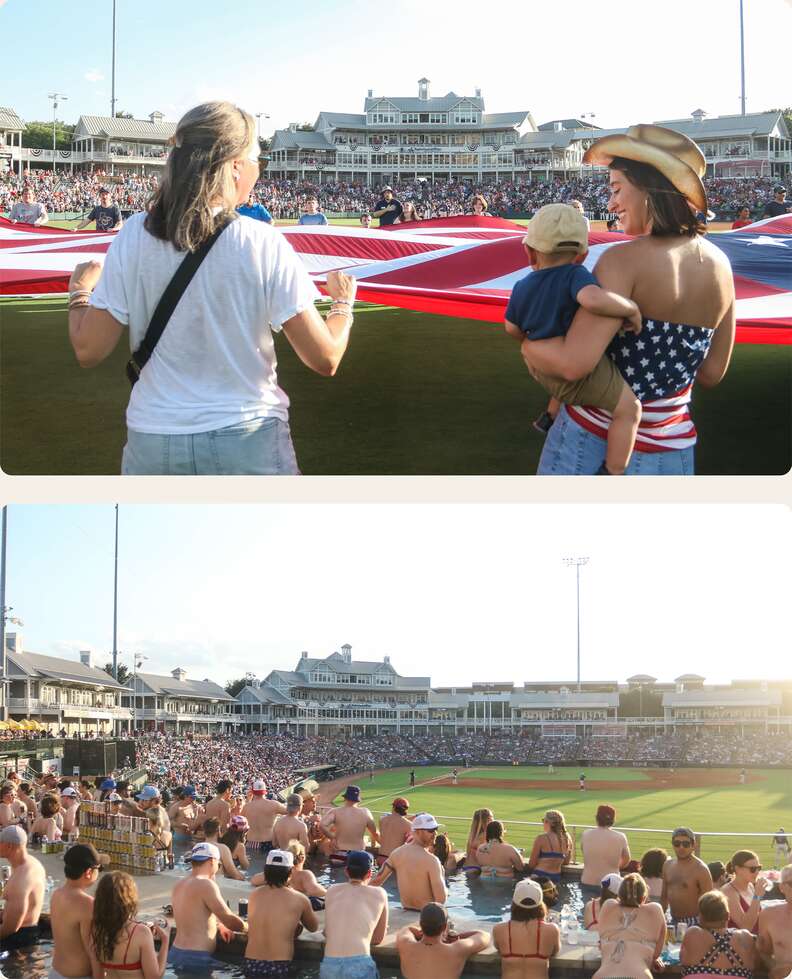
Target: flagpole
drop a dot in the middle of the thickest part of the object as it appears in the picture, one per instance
(4, 533)
(115, 601)
(742, 57)
(112, 96)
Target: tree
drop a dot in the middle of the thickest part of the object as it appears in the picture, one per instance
(233, 687)
(305, 127)
(123, 672)
(38, 135)
(124, 115)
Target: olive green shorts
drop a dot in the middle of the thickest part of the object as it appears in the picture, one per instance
(602, 388)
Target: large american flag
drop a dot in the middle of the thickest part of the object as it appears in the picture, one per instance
(462, 266)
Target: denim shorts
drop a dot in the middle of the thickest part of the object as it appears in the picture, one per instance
(262, 447)
(349, 967)
(183, 960)
(570, 450)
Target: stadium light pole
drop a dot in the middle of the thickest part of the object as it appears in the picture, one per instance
(742, 57)
(577, 563)
(259, 117)
(115, 600)
(64, 98)
(112, 73)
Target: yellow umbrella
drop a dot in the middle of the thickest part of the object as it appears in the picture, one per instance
(3, 726)
(14, 726)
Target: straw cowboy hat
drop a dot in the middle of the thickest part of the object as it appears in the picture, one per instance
(676, 156)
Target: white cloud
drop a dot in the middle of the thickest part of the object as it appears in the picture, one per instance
(93, 75)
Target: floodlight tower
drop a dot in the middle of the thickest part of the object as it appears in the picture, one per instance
(577, 563)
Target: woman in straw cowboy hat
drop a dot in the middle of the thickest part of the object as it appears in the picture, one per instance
(684, 288)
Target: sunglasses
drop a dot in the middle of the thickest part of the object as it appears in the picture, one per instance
(753, 870)
(686, 844)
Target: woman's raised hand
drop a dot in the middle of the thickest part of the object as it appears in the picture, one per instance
(341, 286)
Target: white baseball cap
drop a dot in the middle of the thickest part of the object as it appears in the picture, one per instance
(279, 858)
(259, 785)
(527, 892)
(424, 820)
(613, 882)
(69, 791)
(202, 852)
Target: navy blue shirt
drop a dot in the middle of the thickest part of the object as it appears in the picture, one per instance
(390, 216)
(544, 303)
(106, 217)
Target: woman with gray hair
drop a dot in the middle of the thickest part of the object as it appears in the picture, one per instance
(205, 397)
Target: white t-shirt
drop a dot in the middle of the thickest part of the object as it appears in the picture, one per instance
(214, 365)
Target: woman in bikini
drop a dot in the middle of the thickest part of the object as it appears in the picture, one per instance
(121, 946)
(526, 942)
(632, 933)
(744, 890)
(496, 858)
(552, 849)
(445, 852)
(234, 839)
(610, 892)
(477, 835)
(714, 949)
(305, 881)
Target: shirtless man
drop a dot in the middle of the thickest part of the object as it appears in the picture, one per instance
(261, 813)
(356, 917)
(419, 874)
(775, 931)
(9, 810)
(429, 952)
(605, 851)
(394, 829)
(24, 892)
(685, 879)
(351, 823)
(276, 915)
(200, 913)
(290, 827)
(24, 795)
(71, 910)
(148, 797)
(219, 806)
(184, 813)
(211, 834)
(70, 808)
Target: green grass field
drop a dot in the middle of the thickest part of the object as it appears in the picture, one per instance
(416, 394)
(759, 807)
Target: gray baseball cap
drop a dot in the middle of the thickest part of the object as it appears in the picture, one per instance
(13, 836)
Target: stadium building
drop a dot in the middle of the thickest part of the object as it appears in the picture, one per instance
(449, 137)
(61, 694)
(174, 703)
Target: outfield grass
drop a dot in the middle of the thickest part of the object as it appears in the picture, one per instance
(416, 394)
(760, 807)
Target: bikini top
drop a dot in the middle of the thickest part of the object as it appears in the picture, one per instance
(744, 907)
(550, 854)
(124, 966)
(526, 955)
(721, 945)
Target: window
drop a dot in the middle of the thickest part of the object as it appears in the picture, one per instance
(383, 118)
(410, 117)
(438, 118)
(465, 117)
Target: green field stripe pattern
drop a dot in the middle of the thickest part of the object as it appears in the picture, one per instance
(757, 809)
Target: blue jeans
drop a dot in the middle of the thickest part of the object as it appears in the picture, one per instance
(570, 450)
(257, 448)
(349, 967)
(184, 960)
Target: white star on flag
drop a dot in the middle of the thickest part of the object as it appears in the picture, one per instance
(644, 362)
(766, 240)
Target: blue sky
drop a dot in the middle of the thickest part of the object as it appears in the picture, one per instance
(625, 61)
(457, 592)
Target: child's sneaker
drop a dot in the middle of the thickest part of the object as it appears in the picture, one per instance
(544, 423)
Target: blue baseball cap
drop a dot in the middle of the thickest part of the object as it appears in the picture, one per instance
(107, 784)
(147, 793)
(359, 860)
(189, 790)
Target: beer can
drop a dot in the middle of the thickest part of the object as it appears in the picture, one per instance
(243, 908)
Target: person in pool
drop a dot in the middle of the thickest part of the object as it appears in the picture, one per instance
(496, 858)
(552, 849)
(527, 941)
(432, 950)
(419, 873)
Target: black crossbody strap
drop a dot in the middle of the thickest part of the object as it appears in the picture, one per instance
(168, 302)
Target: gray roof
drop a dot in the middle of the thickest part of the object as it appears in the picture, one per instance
(263, 694)
(202, 689)
(124, 128)
(442, 104)
(566, 124)
(53, 667)
(286, 139)
(10, 120)
(751, 124)
(341, 119)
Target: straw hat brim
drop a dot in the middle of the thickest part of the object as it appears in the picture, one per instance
(683, 177)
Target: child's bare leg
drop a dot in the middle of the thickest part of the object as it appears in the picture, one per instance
(621, 435)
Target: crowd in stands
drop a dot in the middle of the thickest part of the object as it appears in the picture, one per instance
(63, 192)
